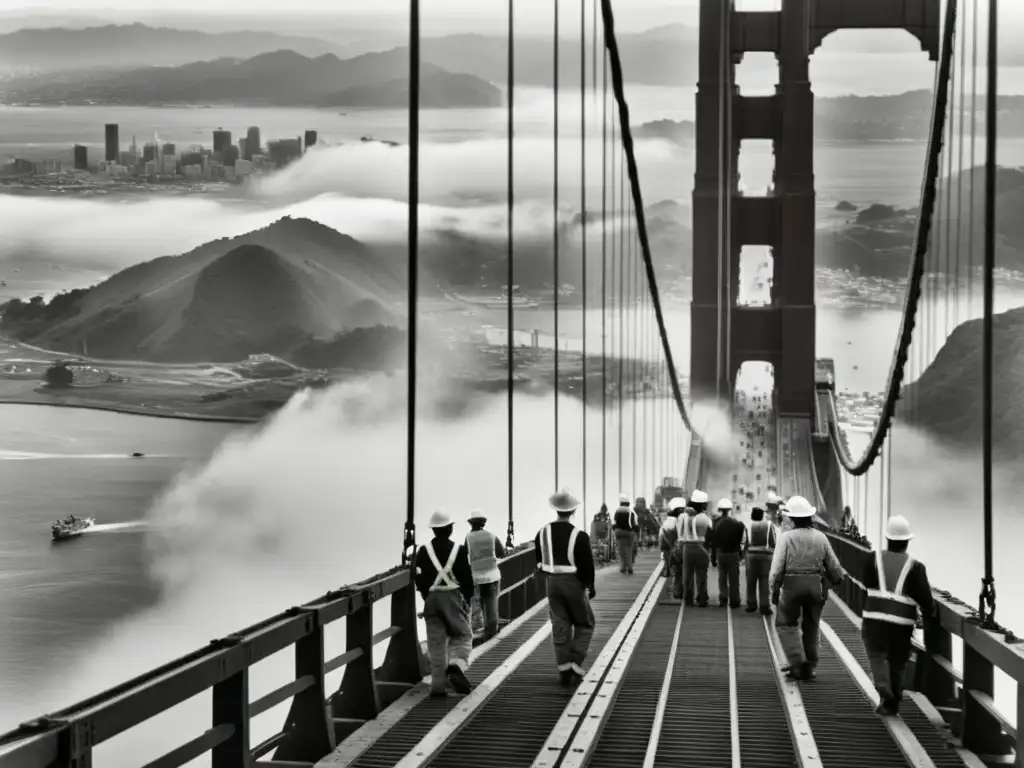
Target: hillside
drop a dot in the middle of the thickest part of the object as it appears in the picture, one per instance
(280, 78)
(946, 400)
(138, 45)
(269, 291)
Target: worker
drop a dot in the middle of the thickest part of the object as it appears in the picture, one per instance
(668, 534)
(694, 529)
(484, 550)
(600, 534)
(626, 526)
(803, 559)
(760, 545)
(848, 525)
(563, 553)
(897, 588)
(727, 540)
(446, 590)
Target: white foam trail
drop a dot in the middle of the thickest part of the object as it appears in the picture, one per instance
(7, 455)
(113, 527)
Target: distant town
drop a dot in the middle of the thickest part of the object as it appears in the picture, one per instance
(157, 161)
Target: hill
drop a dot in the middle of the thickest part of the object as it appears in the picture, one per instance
(946, 400)
(280, 78)
(139, 45)
(274, 291)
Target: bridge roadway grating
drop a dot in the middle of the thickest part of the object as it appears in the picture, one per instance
(848, 732)
(623, 741)
(765, 739)
(512, 727)
(528, 703)
(938, 747)
(697, 732)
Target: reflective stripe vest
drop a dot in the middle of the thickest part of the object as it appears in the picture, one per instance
(547, 552)
(445, 580)
(482, 557)
(760, 537)
(688, 529)
(892, 606)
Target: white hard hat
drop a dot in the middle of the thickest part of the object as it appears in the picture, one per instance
(439, 519)
(623, 498)
(698, 497)
(772, 499)
(798, 506)
(563, 501)
(724, 504)
(677, 503)
(898, 529)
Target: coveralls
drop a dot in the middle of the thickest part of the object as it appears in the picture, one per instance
(444, 578)
(897, 588)
(484, 549)
(627, 524)
(803, 559)
(564, 554)
(761, 545)
(667, 537)
(726, 548)
(694, 529)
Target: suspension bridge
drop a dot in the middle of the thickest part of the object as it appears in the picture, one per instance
(667, 684)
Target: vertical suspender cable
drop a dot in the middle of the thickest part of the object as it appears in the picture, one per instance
(510, 278)
(721, 200)
(555, 228)
(583, 218)
(604, 272)
(622, 301)
(413, 298)
(987, 599)
(634, 348)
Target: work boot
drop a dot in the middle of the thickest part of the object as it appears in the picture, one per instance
(575, 678)
(457, 680)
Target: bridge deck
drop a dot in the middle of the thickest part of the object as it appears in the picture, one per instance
(667, 685)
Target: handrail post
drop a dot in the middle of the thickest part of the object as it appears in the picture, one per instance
(404, 661)
(980, 733)
(308, 729)
(231, 707)
(357, 697)
(930, 678)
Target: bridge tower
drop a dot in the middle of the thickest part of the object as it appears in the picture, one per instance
(782, 333)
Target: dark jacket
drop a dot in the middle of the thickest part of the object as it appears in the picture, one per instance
(426, 572)
(915, 587)
(626, 520)
(584, 557)
(726, 537)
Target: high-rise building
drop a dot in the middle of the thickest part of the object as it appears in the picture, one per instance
(283, 151)
(221, 140)
(82, 158)
(113, 143)
(252, 142)
(229, 155)
(310, 139)
(241, 147)
(150, 151)
(170, 149)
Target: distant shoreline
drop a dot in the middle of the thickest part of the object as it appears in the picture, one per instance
(132, 410)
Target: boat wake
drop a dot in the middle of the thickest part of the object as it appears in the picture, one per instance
(134, 525)
(32, 456)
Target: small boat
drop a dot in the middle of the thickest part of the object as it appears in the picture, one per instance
(70, 527)
(138, 455)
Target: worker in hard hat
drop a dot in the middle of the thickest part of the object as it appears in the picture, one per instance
(897, 588)
(694, 529)
(445, 580)
(761, 540)
(484, 550)
(726, 541)
(668, 534)
(802, 561)
(627, 526)
(563, 553)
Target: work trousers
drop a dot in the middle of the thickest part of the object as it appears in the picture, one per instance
(666, 557)
(799, 617)
(729, 578)
(759, 564)
(627, 549)
(572, 620)
(692, 578)
(888, 647)
(485, 608)
(449, 635)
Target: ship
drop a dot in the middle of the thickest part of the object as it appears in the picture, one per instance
(70, 527)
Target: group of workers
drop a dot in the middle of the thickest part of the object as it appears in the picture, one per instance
(789, 565)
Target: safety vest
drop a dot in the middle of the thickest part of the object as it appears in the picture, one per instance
(688, 530)
(760, 537)
(547, 552)
(445, 580)
(482, 557)
(670, 532)
(893, 606)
